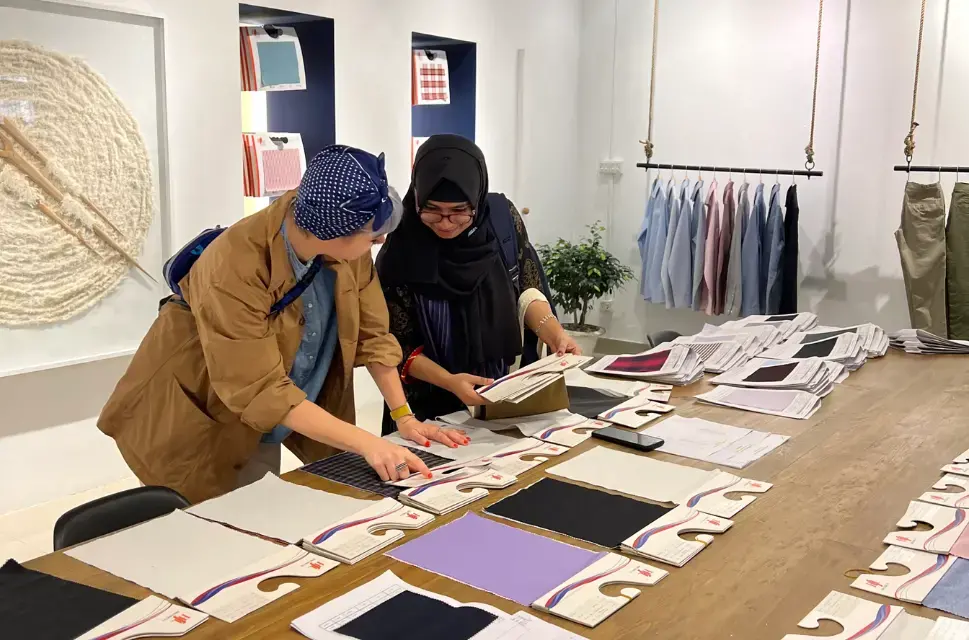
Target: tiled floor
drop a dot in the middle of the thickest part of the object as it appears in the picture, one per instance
(28, 533)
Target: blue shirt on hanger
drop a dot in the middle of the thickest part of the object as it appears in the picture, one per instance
(645, 237)
(698, 227)
(681, 251)
(773, 248)
(752, 301)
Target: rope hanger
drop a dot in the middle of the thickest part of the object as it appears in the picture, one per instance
(648, 146)
(910, 138)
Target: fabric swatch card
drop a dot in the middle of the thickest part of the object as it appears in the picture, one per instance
(388, 607)
(430, 80)
(152, 617)
(633, 474)
(595, 516)
(271, 59)
(961, 546)
(776, 373)
(352, 470)
(205, 565)
(589, 403)
(272, 163)
(483, 442)
(951, 594)
(278, 509)
(29, 598)
(495, 557)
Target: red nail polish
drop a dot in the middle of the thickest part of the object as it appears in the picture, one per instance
(427, 443)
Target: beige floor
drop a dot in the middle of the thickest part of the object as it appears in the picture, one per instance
(28, 533)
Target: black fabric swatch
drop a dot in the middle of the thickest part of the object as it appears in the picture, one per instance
(782, 317)
(586, 514)
(36, 606)
(816, 349)
(816, 337)
(352, 470)
(590, 403)
(412, 616)
(774, 373)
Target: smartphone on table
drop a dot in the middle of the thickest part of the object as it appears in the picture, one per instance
(639, 441)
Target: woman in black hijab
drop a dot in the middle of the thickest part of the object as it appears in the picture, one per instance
(453, 306)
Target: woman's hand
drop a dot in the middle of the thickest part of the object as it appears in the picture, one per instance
(462, 385)
(422, 433)
(563, 343)
(392, 462)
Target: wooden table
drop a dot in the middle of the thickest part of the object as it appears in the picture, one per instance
(840, 484)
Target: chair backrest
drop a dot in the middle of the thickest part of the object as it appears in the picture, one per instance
(113, 513)
(659, 337)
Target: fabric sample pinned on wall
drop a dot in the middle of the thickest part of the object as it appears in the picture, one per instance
(605, 519)
(273, 163)
(430, 78)
(271, 59)
(29, 598)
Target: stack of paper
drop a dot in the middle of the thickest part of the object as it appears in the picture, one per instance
(760, 336)
(610, 386)
(780, 402)
(718, 353)
(921, 341)
(677, 365)
(560, 427)
(845, 348)
(804, 321)
(528, 381)
(484, 441)
(810, 375)
(733, 447)
(873, 338)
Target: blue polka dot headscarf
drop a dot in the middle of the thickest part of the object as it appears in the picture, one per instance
(342, 190)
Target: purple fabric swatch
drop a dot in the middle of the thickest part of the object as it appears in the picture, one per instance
(495, 557)
(951, 594)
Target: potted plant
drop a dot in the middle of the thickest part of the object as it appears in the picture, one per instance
(579, 274)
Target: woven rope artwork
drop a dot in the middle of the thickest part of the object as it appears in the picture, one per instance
(94, 149)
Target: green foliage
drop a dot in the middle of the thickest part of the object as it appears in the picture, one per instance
(580, 273)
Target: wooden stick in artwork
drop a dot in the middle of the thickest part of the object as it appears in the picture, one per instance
(47, 211)
(14, 132)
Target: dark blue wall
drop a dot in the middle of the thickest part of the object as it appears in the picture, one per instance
(457, 117)
(311, 113)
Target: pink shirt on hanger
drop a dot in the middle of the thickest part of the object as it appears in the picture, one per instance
(711, 252)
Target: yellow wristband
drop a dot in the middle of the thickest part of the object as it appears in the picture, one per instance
(401, 412)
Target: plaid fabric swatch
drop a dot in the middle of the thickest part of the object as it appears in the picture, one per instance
(352, 470)
(431, 83)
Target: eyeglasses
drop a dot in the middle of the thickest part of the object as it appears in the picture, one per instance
(433, 217)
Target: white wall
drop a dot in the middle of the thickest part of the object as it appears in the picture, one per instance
(734, 88)
(49, 446)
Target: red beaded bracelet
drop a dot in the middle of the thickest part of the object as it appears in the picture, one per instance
(404, 377)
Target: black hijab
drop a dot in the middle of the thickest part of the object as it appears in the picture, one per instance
(467, 271)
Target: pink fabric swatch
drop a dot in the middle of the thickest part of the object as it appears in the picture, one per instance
(961, 546)
(710, 252)
(282, 169)
(723, 248)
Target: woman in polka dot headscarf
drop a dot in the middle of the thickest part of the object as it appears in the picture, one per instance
(259, 344)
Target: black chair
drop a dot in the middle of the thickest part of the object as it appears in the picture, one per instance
(113, 513)
(659, 337)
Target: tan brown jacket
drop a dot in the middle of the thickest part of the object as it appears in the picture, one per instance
(210, 379)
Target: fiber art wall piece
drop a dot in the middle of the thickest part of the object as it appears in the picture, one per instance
(75, 187)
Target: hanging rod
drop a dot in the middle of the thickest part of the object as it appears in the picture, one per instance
(928, 169)
(696, 167)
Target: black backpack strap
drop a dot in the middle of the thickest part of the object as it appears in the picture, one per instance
(300, 287)
(503, 226)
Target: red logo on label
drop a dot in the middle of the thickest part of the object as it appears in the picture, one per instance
(715, 522)
(496, 476)
(412, 515)
(645, 572)
(874, 583)
(940, 498)
(904, 539)
(316, 565)
(756, 485)
(180, 618)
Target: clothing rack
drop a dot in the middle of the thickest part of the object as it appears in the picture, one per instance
(928, 169)
(695, 167)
